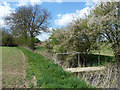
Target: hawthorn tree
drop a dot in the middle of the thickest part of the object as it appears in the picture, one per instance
(105, 21)
(75, 37)
(28, 21)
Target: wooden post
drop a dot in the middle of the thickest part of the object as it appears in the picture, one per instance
(55, 61)
(99, 59)
(78, 59)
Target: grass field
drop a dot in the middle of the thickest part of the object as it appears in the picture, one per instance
(105, 49)
(12, 68)
(48, 74)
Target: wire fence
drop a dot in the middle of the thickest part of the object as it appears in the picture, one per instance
(79, 57)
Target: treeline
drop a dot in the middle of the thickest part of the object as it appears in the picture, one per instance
(84, 35)
(24, 24)
(8, 39)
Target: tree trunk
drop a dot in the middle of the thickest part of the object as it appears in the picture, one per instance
(25, 37)
(32, 45)
(117, 56)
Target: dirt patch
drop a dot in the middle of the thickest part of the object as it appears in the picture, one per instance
(24, 69)
(24, 66)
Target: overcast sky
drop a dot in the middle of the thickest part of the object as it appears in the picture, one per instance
(62, 11)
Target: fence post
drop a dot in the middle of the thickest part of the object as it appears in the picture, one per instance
(78, 59)
(55, 61)
(99, 59)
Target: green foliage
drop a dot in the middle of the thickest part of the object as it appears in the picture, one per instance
(83, 35)
(73, 38)
(28, 21)
(50, 75)
(105, 20)
(37, 40)
(8, 39)
(104, 49)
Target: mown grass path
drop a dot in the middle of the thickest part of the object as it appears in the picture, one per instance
(13, 68)
(48, 74)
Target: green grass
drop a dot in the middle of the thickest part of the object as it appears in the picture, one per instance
(50, 75)
(106, 54)
(104, 49)
(104, 60)
(12, 67)
(40, 48)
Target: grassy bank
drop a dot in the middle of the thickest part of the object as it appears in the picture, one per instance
(48, 74)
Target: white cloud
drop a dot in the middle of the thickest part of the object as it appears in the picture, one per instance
(51, 29)
(5, 10)
(89, 3)
(59, 15)
(65, 19)
(22, 3)
(33, 2)
(43, 36)
(52, 0)
(68, 17)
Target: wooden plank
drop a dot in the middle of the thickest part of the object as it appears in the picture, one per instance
(84, 69)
